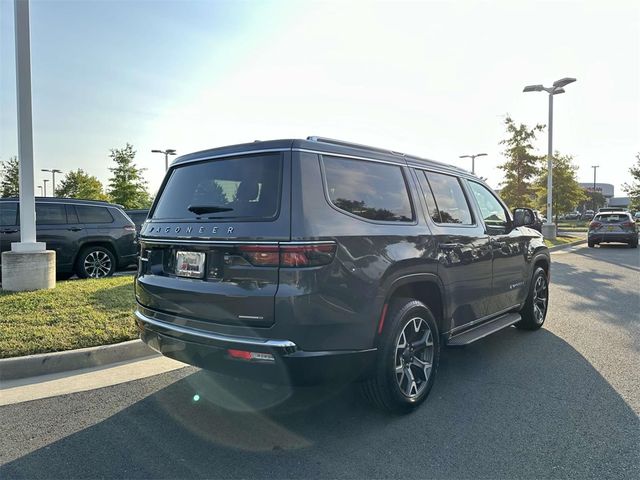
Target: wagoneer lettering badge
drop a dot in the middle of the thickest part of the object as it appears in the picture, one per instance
(189, 229)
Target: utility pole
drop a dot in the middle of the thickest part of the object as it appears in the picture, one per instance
(167, 152)
(549, 228)
(53, 179)
(473, 160)
(595, 167)
(29, 265)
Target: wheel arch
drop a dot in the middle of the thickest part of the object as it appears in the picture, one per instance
(426, 288)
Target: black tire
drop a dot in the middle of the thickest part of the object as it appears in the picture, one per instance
(591, 244)
(633, 244)
(64, 275)
(387, 388)
(95, 262)
(535, 308)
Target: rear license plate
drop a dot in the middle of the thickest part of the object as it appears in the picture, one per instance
(610, 229)
(190, 264)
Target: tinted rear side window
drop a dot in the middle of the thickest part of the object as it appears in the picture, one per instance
(450, 199)
(87, 214)
(246, 187)
(374, 191)
(50, 214)
(8, 214)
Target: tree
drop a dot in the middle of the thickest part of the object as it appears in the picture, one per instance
(593, 200)
(127, 185)
(521, 167)
(9, 178)
(79, 184)
(567, 192)
(633, 189)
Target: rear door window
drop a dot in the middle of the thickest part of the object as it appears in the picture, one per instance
(370, 190)
(450, 200)
(245, 187)
(8, 214)
(50, 214)
(91, 214)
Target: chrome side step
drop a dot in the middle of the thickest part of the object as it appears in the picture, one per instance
(484, 329)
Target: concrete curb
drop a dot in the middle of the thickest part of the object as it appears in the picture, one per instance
(566, 245)
(55, 362)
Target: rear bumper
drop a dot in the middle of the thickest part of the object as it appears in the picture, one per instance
(290, 365)
(623, 237)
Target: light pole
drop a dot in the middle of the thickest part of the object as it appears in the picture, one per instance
(44, 182)
(167, 152)
(40, 187)
(473, 160)
(53, 178)
(549, 228)
(595, 167)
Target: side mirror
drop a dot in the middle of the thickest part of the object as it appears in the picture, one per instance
(523, 217)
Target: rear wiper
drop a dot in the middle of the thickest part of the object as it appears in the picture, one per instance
(198, 209)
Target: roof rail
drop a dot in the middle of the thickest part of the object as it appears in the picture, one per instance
(344, 143)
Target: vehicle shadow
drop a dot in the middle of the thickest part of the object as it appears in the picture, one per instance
(595, 288)
(517, 404)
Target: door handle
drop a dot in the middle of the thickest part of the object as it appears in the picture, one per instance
(450, 246)
(74, 229)
(9, 231)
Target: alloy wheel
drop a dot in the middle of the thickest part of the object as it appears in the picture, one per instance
(540, 298)
(414, 357)
(97, 264)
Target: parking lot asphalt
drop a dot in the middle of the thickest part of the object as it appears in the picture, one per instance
(562, 402)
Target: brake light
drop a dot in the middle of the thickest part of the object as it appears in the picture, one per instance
(629, 224)
(308, 255)
(261, 255)
(594, 225)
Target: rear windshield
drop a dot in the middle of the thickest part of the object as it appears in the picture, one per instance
(246, 187)
(612, 218)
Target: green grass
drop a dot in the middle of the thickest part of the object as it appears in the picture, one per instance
(560, 240)
(75, 314)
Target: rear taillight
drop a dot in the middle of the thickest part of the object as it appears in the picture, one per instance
(594, 225)
(261, 255)
(629, 224)
(308, 255)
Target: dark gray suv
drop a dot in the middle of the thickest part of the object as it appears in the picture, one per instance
(306, 261)
(90, 238)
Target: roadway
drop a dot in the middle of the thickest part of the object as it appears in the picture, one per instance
(560, 402)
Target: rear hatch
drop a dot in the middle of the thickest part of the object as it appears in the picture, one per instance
(611, 223)
(209, 250)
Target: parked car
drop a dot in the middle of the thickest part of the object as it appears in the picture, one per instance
(306, 261)
(637, 216)
(612, 209)
(573, 216)
(90, 238)
(138, 216)
(613, 227)
(588, 215)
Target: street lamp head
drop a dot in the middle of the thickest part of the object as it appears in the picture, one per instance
(533, 88)
(55, 170)
(557, 91)
(465, 156)
(481, 155)
(171, 151)
(157, 151)
(563, 82)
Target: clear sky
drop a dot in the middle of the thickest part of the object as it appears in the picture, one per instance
(429, 78)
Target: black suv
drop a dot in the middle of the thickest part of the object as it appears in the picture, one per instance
(90, 238)
(306, 261)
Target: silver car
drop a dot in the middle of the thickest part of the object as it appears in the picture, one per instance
(613, 227)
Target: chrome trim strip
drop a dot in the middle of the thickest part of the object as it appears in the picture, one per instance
(483, 319)
(205, 242)
(230, 242)
(224, 155)
(215, 336)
